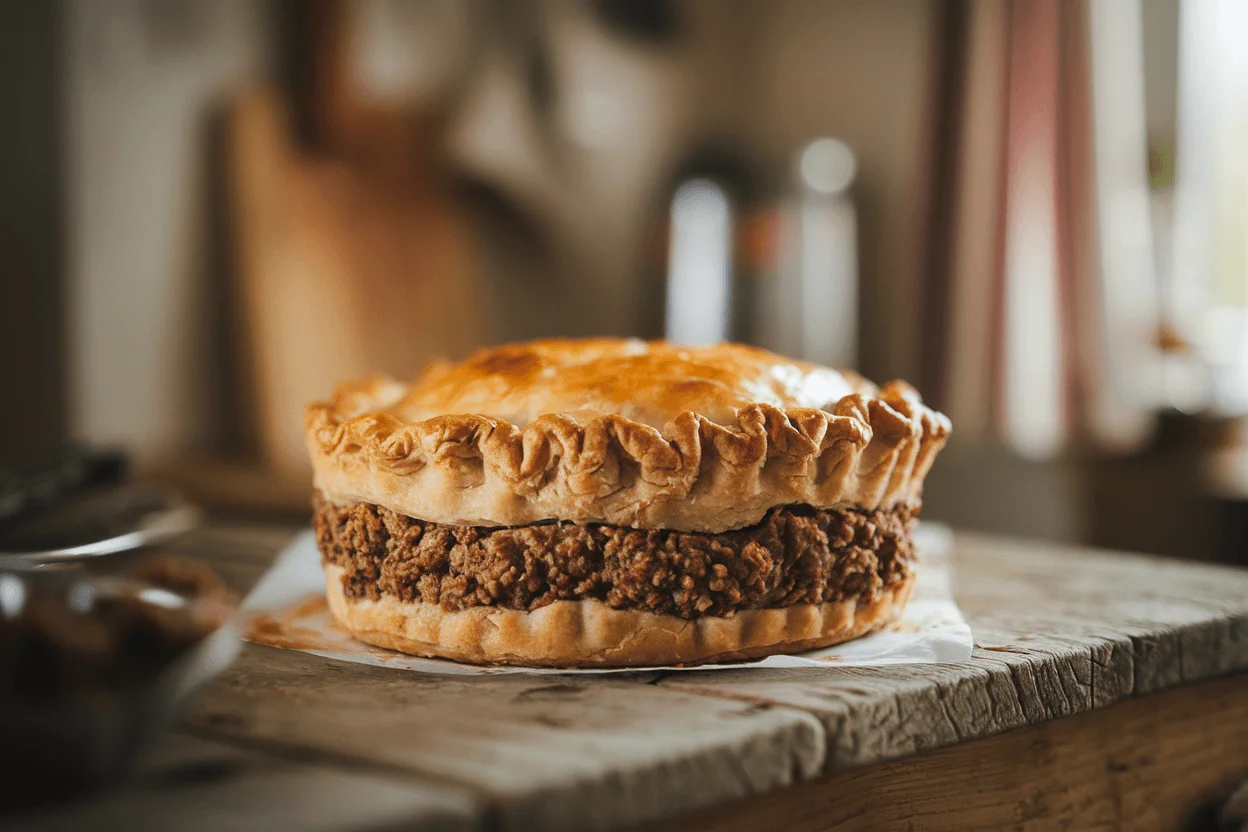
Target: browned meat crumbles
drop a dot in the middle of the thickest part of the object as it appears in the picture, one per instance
(796, 555)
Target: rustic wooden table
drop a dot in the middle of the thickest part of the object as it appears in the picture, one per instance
(1106, 691)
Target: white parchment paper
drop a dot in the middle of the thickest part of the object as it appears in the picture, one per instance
(931, 630)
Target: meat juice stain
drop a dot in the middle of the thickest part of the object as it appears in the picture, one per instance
(310, 607)
(285, 631)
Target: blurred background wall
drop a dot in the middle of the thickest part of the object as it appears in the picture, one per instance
(142, 85)
(33, 420)
(213, 211)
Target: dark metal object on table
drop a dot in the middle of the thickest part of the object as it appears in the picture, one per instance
(80, 507)
(24, 493)
(118, 519)
(94, 662)
(1234, 815)
(93, 669)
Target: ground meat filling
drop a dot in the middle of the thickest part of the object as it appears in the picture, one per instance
(796, 555)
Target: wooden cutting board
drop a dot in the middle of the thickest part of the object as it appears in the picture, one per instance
(341, 273)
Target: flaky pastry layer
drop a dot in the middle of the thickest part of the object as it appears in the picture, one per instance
(623, 432)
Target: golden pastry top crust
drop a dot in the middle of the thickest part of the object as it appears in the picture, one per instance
(626, 432)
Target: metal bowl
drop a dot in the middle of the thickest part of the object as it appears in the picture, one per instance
(79, 718)
(94, 524)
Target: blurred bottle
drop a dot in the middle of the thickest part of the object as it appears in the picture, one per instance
(699, 289)
(808, 303)
(699, 298)
(1209, 275)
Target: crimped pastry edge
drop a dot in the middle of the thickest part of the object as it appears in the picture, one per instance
(592, 634)
(867, 452)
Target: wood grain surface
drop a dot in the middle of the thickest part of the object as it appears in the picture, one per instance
(1165, 762)
(549, 752)
(196, 784)
(1060, 632)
